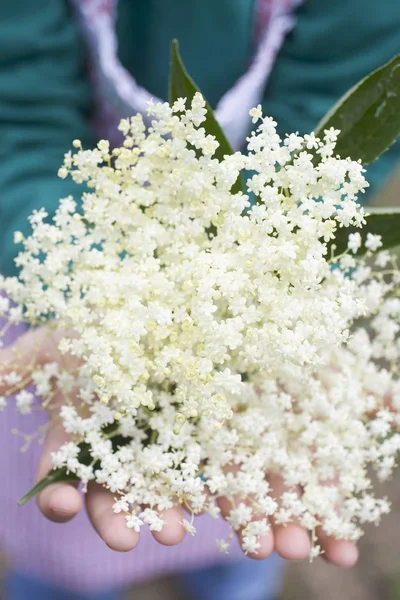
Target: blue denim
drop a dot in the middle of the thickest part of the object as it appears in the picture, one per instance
(24, 587)
(245, 580)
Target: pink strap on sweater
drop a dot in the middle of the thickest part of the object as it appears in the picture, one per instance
(119, 95)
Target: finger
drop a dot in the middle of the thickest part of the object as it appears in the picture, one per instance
(341, 553)
(266, 541)
(110, 526)
(59, 502)
(266, 547)
(173, 531)
(292, 541)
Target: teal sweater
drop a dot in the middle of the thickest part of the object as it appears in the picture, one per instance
(45, 99)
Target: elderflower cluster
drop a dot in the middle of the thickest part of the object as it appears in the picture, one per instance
(210, 344)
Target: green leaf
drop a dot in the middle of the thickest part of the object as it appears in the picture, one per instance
(84, 457)
(181, 85)
(54, 476)
(380, 221)
(368, 116)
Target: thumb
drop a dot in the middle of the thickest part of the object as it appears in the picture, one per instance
(59, 502)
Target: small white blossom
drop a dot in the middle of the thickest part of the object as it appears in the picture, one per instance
(134, 522)
(256, 113)
(373, 242)
(24, 401)
(222, 546)
(354, 242)
(189, 527)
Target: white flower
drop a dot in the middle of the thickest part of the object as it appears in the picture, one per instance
(18, 237)
(354, 242)
(24, 401)
(152, 519)
(256, 113)
(4, 305)
(373, 242)
(240, 516)
(189, 527)
(179, 105)
(382, 259)
(12, 378)
(315, 552)
(134, 522)
(222, 546)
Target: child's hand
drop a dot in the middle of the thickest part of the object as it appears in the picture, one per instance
(62, 501)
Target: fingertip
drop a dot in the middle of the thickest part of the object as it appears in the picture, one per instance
(341, 553)
(60, 503)
(266, 547)
(292, 542)
(111, 526)
(170, 536)
(118, 537)
(173, 531)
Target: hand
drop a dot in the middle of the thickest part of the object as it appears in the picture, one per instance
(60, 502)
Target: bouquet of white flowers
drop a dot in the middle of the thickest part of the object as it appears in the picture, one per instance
(211, 332)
